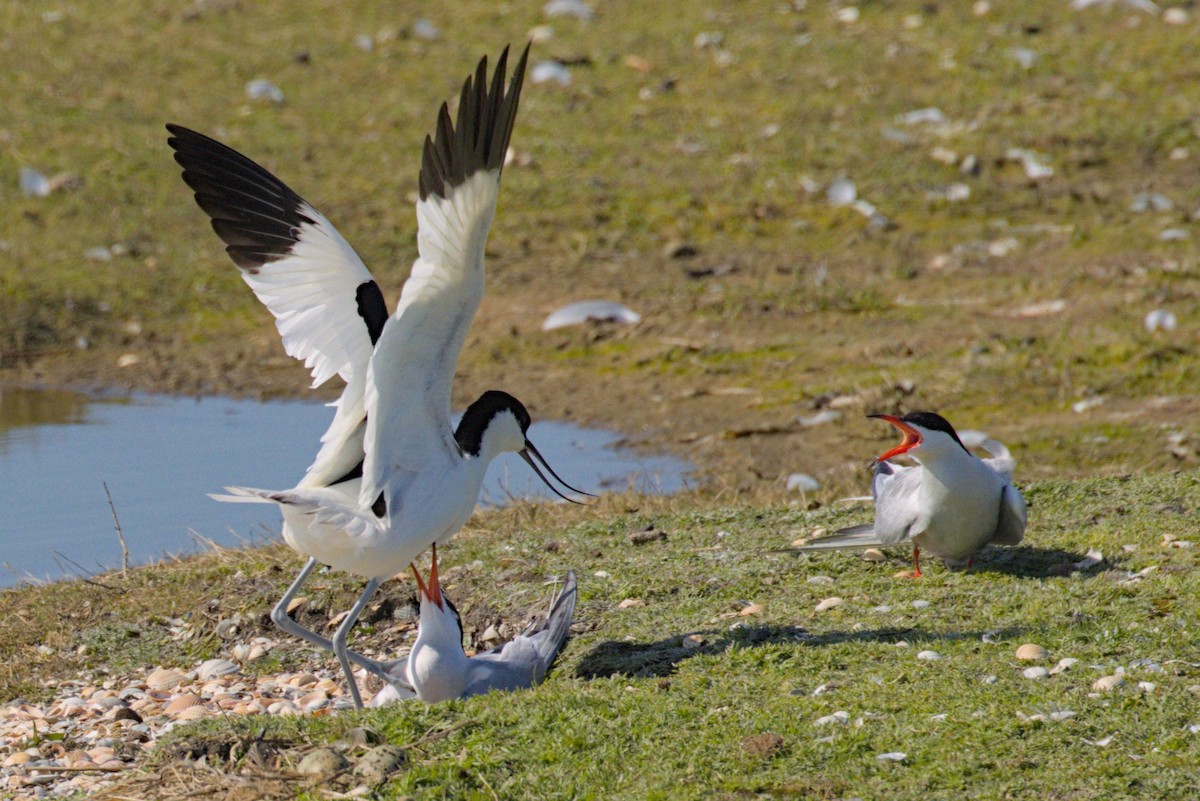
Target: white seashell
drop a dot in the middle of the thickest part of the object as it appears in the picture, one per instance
(193, 713)
(929, 656)
(840, 717)
(584, 310)
(841, 192)
(875, 555)
(847, 15)
(820, 418)
(893, 756)
(181, 703)
(1160, 319)
(802, 482)
(214, 668)
(1064, 664)
(1038, 672)
(1030, 651)
(424, 29)
(164, 679)
(569, 8)
(922, 116)
(256, 652)
(546, 71)
(919, 604)
(33, 183)
(262, 89)
(1147, 686)
(241, 652)
(1106, 683)
(631, 602)
(830, 603)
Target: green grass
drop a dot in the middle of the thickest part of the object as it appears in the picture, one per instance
(630, 711)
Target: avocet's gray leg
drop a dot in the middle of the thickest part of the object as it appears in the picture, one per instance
(343, 631)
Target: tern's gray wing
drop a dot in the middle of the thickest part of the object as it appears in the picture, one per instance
(399, 687)
(524, 660)
(896, 491)
(1010, 528)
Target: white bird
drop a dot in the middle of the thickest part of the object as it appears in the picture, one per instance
(952, 503)
(392, 475)
(438, 669)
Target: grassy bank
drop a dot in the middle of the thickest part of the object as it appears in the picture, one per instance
(657, 700)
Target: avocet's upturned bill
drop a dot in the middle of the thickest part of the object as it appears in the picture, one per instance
(392, 475)
(951, 504)
(438, 669)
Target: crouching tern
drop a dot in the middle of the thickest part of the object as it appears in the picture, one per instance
(951, 504)
(438, 669)
(392, 475)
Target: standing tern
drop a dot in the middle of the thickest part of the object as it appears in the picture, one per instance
(392, 476)
(438, 669)
(952, 503)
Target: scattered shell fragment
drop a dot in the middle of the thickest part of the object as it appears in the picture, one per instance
(1160, 320)
(547, 71)
(802, 482)
(893, 756)
(874, 555)
(1029, 651)
(164, 679)
(1064, 664)
(841, 192)
(840, 717)
(1106, 683)
(752, 609)
(929, 656)
(820, 418)
(920, 604)
(424, 29)
(583, 311)
(34, 183)
(1150, 201)
(629, 603)
(1038, 672)
(182, 702)
(569, 8)
(262, 89)
(830, 603)
(214, 668)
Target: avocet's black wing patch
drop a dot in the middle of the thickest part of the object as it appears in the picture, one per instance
(257, 216)
(372, 308)
(479, 139)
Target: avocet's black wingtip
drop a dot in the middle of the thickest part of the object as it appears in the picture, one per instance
(256, 215)
(478, 139)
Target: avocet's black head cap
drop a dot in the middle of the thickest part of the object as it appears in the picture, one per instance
(933, 421)
(477, 416)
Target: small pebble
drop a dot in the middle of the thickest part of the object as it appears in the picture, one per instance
(840, 717)
(893, 756)
(1038, 672)
(929, 656)
(920, 604)
(874, 555)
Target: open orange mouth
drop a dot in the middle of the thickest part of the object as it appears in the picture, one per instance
(912, 437)
(432, 590)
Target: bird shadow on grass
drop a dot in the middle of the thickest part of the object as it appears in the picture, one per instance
(1028, 561)
(660, 658)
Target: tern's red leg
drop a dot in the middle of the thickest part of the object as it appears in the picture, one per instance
(970, 561)
(916, 561)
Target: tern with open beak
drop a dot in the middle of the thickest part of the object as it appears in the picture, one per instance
(951, 504)
(392, 476)
(438, 669)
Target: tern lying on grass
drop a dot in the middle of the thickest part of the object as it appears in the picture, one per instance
(952, 503)
(392, 476)
(438, 669)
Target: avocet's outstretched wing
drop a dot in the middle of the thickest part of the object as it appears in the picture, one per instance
(408, 384)
(327, 307)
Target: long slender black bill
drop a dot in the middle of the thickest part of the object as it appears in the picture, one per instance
(525, 454)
